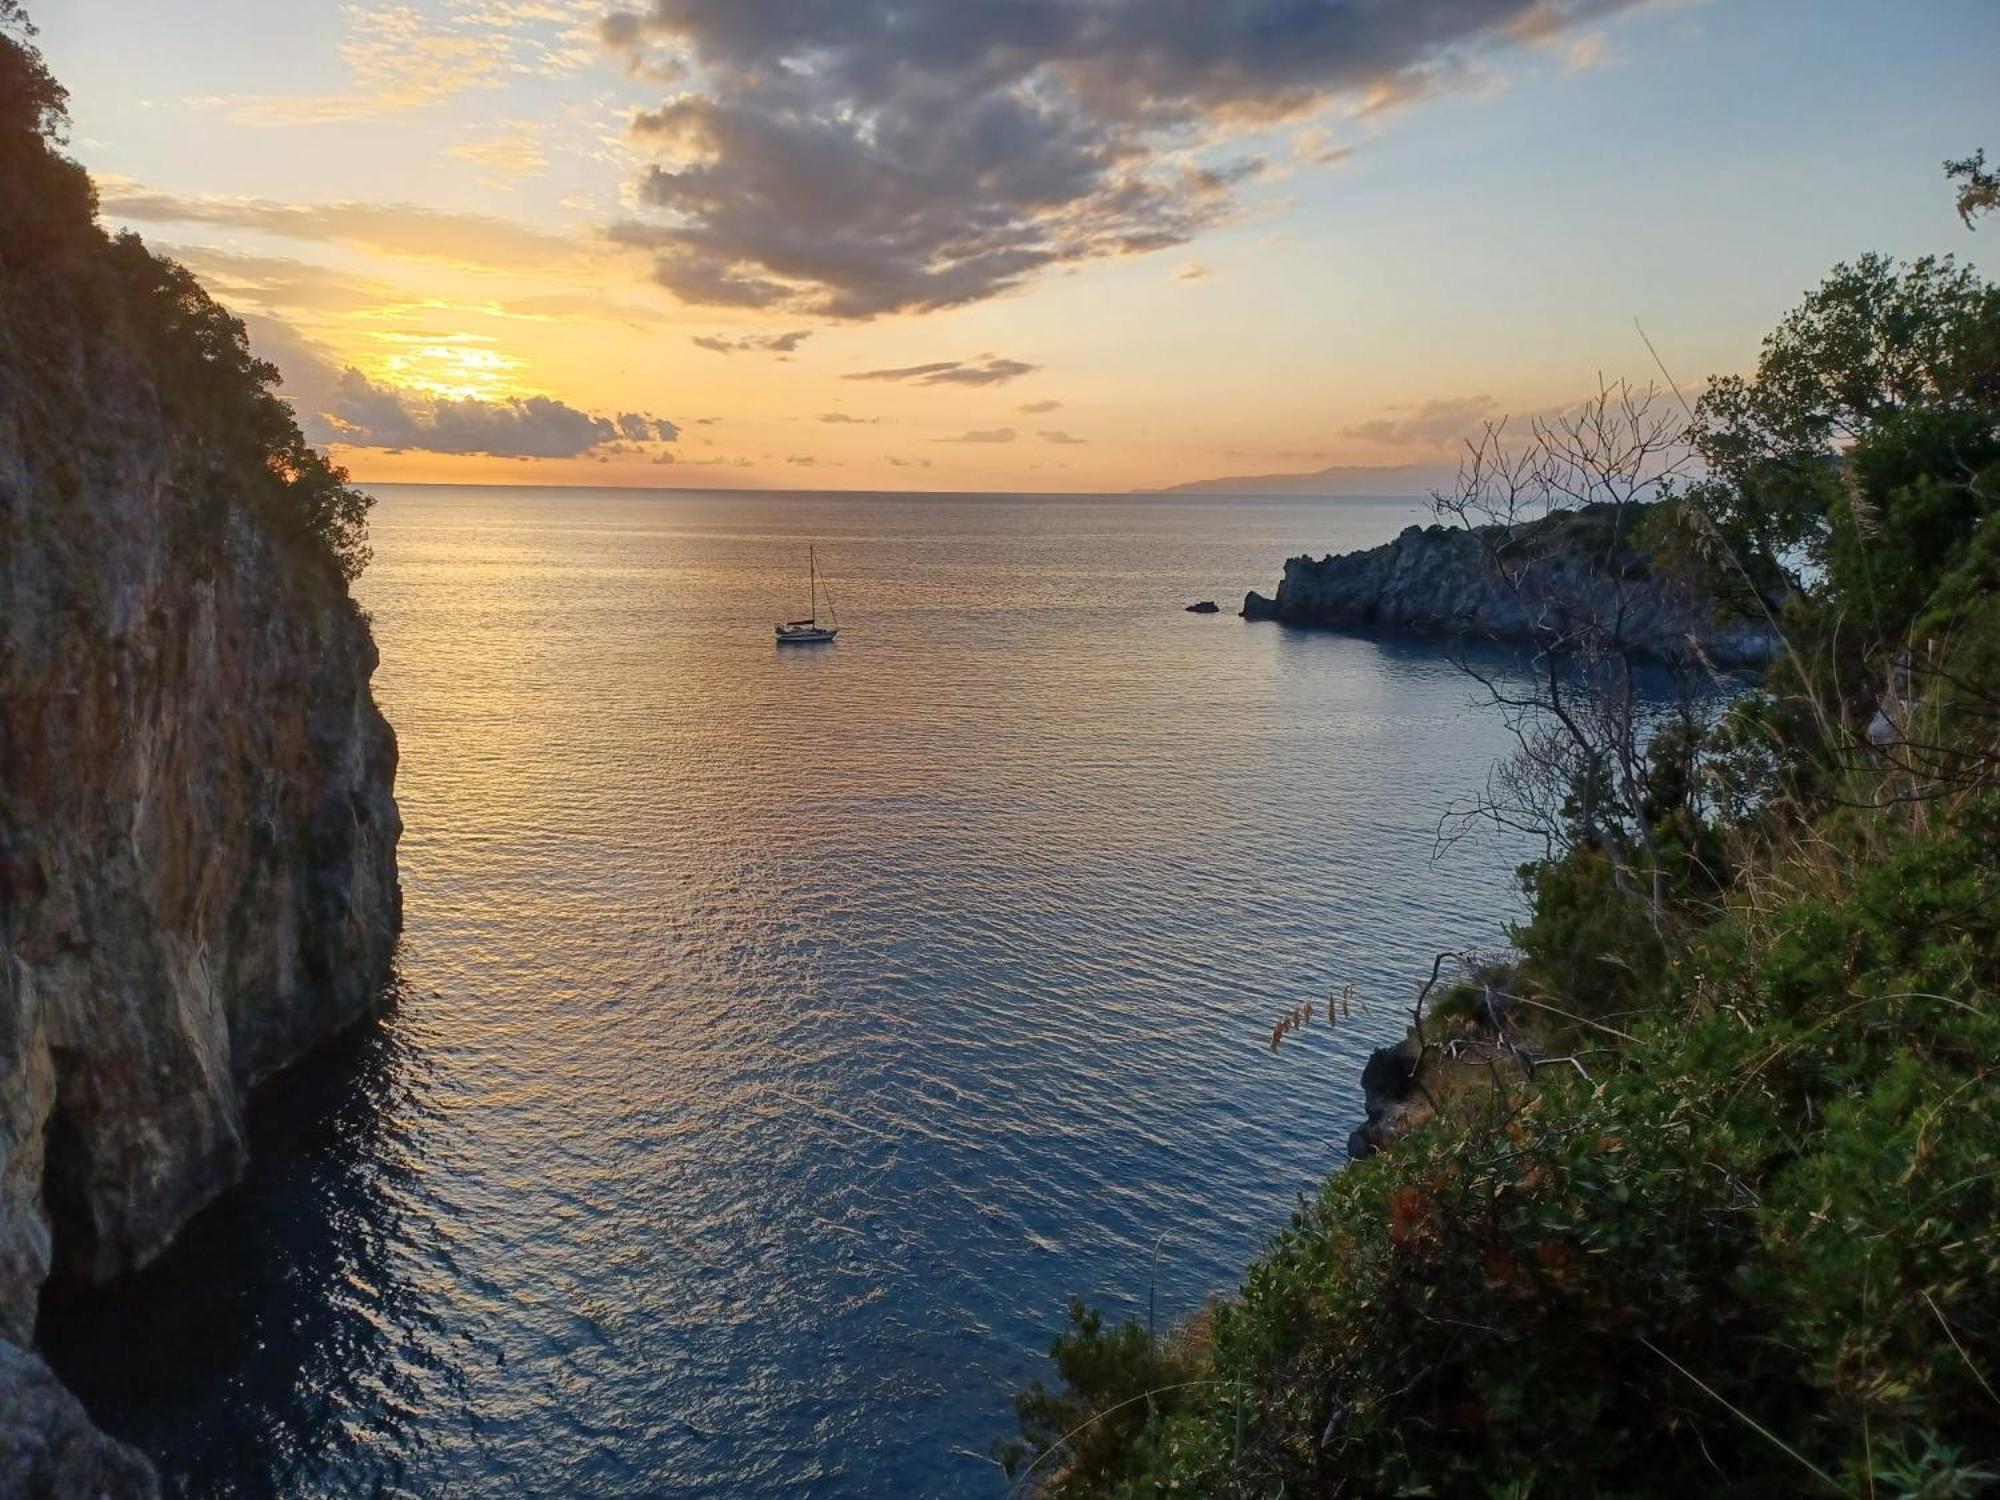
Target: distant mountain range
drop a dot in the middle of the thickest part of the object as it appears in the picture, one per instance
(1341, 479)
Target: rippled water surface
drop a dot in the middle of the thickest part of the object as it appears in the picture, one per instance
(783, 1036)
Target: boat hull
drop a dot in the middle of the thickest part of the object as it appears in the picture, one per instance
(810, 636)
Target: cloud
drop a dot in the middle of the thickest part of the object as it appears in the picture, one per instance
(397, 61)
(400, 59)
(279, 282)
(1061, 438)
(803, 460)
(1316, 146)
(513, 150)
(842, 419)
(982, 435)
(567, 307)
(1431, 424)
(908, 463)
(1591, 50)
(394, 229)
(337, 403)
(364, 414)
(862, 157)
(765, 343)
(1040, 408)
(986, 370)
(637, 427)
(1194, 270)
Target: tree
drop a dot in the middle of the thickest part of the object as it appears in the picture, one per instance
(46, 200)
(1866, 447)
(1571, 524)
(1978, 189)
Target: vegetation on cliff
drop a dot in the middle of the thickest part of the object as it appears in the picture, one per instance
(1745, 1238)
(68, 290)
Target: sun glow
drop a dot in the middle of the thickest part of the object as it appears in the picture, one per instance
(457, 367)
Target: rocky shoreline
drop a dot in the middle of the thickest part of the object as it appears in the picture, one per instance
(1561, 572)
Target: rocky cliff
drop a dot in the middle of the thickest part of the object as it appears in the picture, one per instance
(1563, 575)
(197, 827)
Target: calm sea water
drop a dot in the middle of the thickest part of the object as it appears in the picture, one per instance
(783, 1036)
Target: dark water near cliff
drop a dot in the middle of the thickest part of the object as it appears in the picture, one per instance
(783, 1037)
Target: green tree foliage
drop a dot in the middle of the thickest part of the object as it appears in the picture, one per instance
(1756, 1250)
(1869, 438)
(65, 284)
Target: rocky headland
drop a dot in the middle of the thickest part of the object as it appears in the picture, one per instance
(1537, 582)
(197, 827)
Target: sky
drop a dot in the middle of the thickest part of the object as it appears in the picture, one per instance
(1034, 245)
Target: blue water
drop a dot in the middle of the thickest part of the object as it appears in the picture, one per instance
(781, 1038)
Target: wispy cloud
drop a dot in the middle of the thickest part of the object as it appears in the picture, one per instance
(1062, 439)
(753, 343)
(400, 59)
(985, 370)
(397, 61)
(393, 229)
(513, 149)
(982, 435)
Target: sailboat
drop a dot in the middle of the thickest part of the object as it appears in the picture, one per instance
(809, 631)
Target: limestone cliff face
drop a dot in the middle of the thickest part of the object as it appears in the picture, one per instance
(197, 827)
(1558, 573)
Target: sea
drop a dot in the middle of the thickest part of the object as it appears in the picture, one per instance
(781, 1037)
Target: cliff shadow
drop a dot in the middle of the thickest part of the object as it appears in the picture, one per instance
(233, 1359)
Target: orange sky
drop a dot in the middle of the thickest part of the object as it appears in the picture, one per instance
(476, 234)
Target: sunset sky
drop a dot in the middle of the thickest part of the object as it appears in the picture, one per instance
(1003, 244)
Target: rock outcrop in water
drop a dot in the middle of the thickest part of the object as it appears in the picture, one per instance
(197, 828)
(1560, 570)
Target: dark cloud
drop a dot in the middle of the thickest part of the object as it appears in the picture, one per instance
(842, 419)
(636, 427)
(982, 435)
(754, 343)
(986, 370)
(859, 157)
(1060, 438)
(1040, 408)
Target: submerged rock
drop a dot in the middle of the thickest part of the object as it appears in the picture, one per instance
(1566, 570)
(1206, 607)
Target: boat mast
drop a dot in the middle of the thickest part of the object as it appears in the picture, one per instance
(812, 586)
